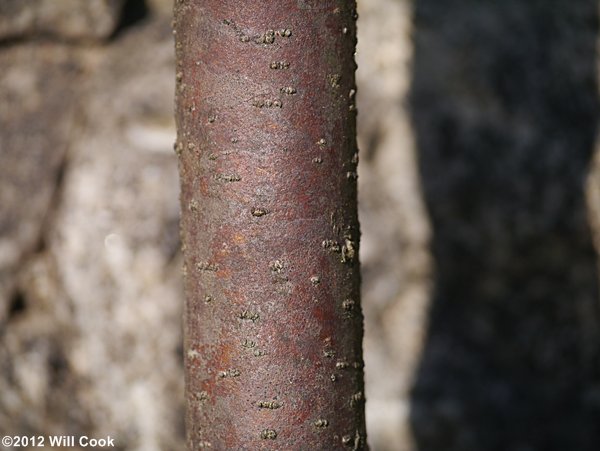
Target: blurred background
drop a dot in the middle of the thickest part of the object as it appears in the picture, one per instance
(479, 204)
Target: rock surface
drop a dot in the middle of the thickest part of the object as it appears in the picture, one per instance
(64, 19)
(96, 341)
(38, 101)
(396, 264)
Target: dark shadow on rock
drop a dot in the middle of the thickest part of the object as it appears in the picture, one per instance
(504, 103)
(133, 12)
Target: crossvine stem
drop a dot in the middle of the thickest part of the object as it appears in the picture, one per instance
(267, 151)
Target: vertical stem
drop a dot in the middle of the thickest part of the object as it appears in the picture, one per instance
(266, 140)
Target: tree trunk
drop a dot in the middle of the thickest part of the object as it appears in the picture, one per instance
(267, 148)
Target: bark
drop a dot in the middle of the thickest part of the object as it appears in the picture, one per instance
(267, 148)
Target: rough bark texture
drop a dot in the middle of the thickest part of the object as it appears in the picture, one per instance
(266, 140)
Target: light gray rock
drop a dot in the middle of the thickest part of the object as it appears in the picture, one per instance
(164, 7)
(395, 259)
(115, 239)
(39, 85)
(70, 19)
(98, 341)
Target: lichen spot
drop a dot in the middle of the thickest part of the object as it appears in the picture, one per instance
(268, 434)
(321, 423)
(276, 266)
(258, 212)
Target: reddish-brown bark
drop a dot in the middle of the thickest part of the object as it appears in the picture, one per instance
(266, 141)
